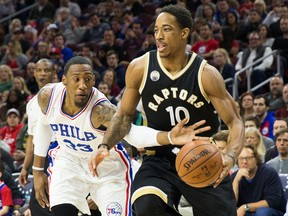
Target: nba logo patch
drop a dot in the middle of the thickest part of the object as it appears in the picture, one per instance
(155, 75)
(114, 209)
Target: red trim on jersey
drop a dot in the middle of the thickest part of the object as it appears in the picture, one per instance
(50, 100)
(128, 179)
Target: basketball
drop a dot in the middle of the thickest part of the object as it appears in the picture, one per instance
(199, 163)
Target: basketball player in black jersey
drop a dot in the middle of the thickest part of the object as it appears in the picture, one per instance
(174, 84)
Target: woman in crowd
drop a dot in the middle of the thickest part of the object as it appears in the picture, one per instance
(246, 104)
(253, 137)
(109, 76)
(223, 64)
(19, 84)
(6, 78)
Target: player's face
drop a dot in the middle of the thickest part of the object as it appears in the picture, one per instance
(79, 81)
(169, 37)
(43, 73)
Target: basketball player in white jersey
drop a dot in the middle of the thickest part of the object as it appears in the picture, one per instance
(78, 115)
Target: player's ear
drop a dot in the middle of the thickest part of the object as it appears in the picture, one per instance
(64, 80)
(185, 33)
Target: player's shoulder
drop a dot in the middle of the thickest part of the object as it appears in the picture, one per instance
(45, 93)
(139, 63)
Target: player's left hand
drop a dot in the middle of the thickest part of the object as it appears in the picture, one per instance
(97, 158)
(228, 163)
(181, 134)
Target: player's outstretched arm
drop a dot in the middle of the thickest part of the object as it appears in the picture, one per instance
(226, 109)
(41, 142)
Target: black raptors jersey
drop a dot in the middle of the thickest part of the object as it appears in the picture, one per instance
(167, 98)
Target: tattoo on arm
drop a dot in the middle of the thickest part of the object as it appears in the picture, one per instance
(120, 126)
(102, 114)
(43, 98)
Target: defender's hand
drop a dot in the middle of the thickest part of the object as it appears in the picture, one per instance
(40, 186)
(96, 159)
(181, 134)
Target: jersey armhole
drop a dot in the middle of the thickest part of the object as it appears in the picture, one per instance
(200, 72)
(145, 74)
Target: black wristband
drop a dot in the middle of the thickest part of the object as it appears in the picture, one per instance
(103, 144)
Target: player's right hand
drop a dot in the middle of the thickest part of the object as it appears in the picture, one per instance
(41, 188)
(96, 159)
(23, 177)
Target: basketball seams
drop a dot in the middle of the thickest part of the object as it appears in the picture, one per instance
(184, 156)
(216, 173)
(212, 155)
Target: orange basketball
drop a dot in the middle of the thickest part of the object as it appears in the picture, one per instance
(199, 163)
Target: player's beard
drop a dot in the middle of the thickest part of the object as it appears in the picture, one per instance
(80, 104)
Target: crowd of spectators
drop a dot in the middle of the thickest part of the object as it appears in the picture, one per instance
(229, 34)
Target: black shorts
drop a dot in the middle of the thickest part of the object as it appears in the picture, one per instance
(160, 173)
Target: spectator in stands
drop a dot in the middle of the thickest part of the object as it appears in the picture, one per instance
(30, 34)
(62, 19)
(110, 43)
(283, 111)
(113, 64)
(47, 35)
(253, 121)
(223, 63)
(15, 58)
(73, 7)
(44, 10)
(41, 52)
(6, 78)
(14, 100)
(246, 104)
(134, 38)
(266, 118)
(251, 25)
(244, 8)
(280, 163)
(20, 85)
(116, 25)
(274, 15)
(252, 53)
(149, 43)
(195, 35)
(281, 44)
(232, 22)
(221, 13)
(95, 29)
(30, 79)
(265, 37)
(58, 61)
(6, 8)
(208, 13)
(200, 9)
(274, 96)
(17, 35)
(275, 26)
(106, 89)
(110, 77)
(260, 6)
(5, 195)
(257, 187)
(15, 23)
(253, 137)
(75, 33)
(278, 125)
(10, 132)
(207, 44)
(66, 52)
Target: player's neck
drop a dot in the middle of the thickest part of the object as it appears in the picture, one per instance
(176, 64)
(69, 107)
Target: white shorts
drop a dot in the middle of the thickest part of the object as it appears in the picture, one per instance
(71, 182)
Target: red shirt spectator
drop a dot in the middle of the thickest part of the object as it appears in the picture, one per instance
(10, 132)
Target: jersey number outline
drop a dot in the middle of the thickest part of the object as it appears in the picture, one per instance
(78, 146)
(175, 114)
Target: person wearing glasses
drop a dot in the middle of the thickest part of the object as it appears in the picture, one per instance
(257, 186)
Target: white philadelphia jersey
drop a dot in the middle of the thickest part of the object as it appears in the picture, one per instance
(74, 133)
